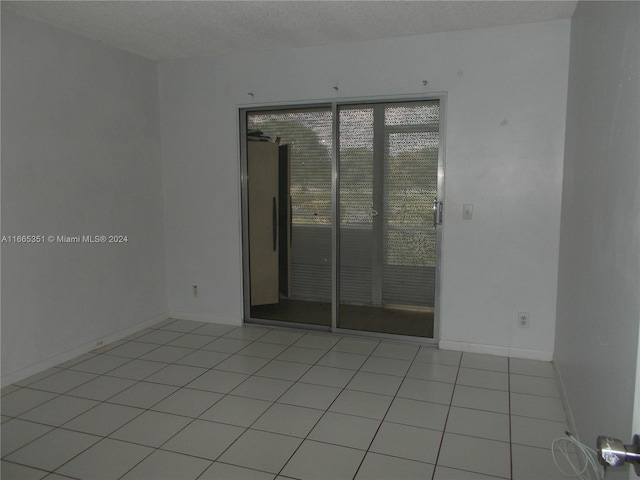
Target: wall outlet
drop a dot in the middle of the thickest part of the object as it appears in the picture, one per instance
(523, 319)
(195, 291)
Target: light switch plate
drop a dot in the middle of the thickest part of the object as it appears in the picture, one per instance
(467, 211)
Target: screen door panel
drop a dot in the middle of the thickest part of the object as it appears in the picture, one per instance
(388, 180)
(307, 133)
(409, 236)
(357, 211)
(362, 247)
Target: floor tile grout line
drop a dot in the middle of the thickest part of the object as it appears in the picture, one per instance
(20, 383)
(273, 402)
(159, 448)
(167, 364)
(96, 375)
(444, 427)
(153, 450)
(395, 395)
(108, 436)
(77, 454)
(44, 470)
(55, 395)
(254, 374)
(150, 409)
(130, 442)
(5, 455)
(193, 420)
(326, 410)
(104, 437)
(233, 465)
(138, 381)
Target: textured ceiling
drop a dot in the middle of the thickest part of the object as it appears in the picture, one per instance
(179, 29)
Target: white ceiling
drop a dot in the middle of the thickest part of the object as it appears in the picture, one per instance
(162, 30)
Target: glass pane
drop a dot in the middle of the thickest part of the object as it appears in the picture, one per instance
(388, 180)
(308, 135)
(411, 184)
(388, 176)
(423, 114)
(356, 206)
(356, 168)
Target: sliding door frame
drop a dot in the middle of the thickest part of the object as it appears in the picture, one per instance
(334, 105)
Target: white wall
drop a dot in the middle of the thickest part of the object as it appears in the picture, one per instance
(599, 268)
(505, 137)
(80, 156)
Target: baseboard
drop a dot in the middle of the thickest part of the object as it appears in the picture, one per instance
(199, 317)
(496, 350)
(82, 349)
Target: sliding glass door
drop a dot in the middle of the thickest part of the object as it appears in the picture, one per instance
(388, 164)
(353, 227)
(302, 225)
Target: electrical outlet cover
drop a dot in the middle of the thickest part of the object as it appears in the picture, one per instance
(523, 319)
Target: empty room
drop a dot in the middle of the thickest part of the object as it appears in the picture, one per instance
(320, 239)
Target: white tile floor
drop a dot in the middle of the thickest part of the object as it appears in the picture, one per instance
(189, 400)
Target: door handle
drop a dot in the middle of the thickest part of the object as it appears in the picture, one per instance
(274, 219)
(437, 212)
(613, 453)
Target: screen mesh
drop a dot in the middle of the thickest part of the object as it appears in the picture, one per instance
(410, 186)
(424, 114)
(388, 179)
(356, 167)
(309, 134)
